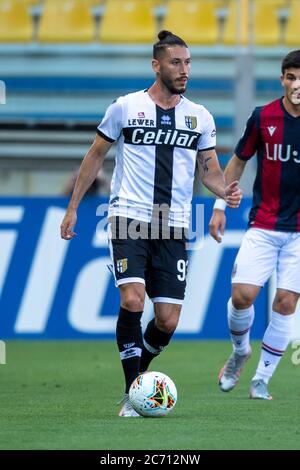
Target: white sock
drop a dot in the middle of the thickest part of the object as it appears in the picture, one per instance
(275, 342)
(240, 322)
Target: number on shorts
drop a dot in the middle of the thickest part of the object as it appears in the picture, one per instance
(181, 267)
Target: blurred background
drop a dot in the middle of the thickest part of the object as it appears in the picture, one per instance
(62, 62)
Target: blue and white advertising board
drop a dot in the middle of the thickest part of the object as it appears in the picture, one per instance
(54, 289)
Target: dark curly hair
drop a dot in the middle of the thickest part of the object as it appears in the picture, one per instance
(166, 39)
(291, 60)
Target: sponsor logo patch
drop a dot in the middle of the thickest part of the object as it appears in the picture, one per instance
(271, 130)
(166, 120)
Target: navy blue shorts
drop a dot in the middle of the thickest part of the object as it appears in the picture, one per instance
(158, 263)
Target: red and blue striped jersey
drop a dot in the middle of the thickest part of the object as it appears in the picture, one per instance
(274, 135)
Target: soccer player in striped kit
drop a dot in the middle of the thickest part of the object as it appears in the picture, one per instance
(160, 136)
(273, 238)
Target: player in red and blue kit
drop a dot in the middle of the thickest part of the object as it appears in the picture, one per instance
(273, 238)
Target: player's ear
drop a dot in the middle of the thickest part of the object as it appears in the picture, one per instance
(281, 79)
(155, 65)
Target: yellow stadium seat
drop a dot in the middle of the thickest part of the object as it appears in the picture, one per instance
(29, 2)
(292, 37)
(128, 21)
(15, 21)
(265, 20)
(66, 21)
(266, 23)
(195, 21)
(236, 32)
(93, 3)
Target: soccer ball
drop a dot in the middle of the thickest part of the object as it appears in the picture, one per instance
(153, 394)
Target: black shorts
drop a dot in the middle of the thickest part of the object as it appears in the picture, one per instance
(160, 264)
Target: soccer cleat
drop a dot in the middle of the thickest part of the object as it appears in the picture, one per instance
(127, 411)
(259, 390)
(230, 372)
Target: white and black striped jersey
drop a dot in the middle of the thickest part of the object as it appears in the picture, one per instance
(156, 155)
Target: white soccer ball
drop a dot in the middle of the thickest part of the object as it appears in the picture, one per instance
(153, 394)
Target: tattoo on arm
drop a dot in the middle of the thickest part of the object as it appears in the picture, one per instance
(203, 162)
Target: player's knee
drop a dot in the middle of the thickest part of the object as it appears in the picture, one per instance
(167, 325)
(133, 302)
(242, 299)
(132, 297)
(284, 304)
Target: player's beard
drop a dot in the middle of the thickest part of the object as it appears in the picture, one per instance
(170, 85)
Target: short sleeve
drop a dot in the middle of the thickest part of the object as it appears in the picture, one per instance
(111, 125)
(207, 139)
(248, 143)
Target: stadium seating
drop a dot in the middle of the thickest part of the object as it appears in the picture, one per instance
(94, 3)
(194, 20)
(66, 21)
(292, 35)
(199, 22)
(231, 34)
(128, 21)
(15, 21)
(30, 2)
(266, 22)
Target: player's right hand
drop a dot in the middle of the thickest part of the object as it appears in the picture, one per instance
(217, 224)
(67, 225)
(233, 194)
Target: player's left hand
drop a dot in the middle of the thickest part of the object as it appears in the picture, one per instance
(234, 195)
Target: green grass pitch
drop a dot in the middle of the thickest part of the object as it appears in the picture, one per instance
(62, 395)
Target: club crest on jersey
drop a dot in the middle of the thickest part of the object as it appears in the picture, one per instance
(122, 265)
(191, 122)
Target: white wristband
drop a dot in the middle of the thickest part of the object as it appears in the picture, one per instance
(220, 204)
